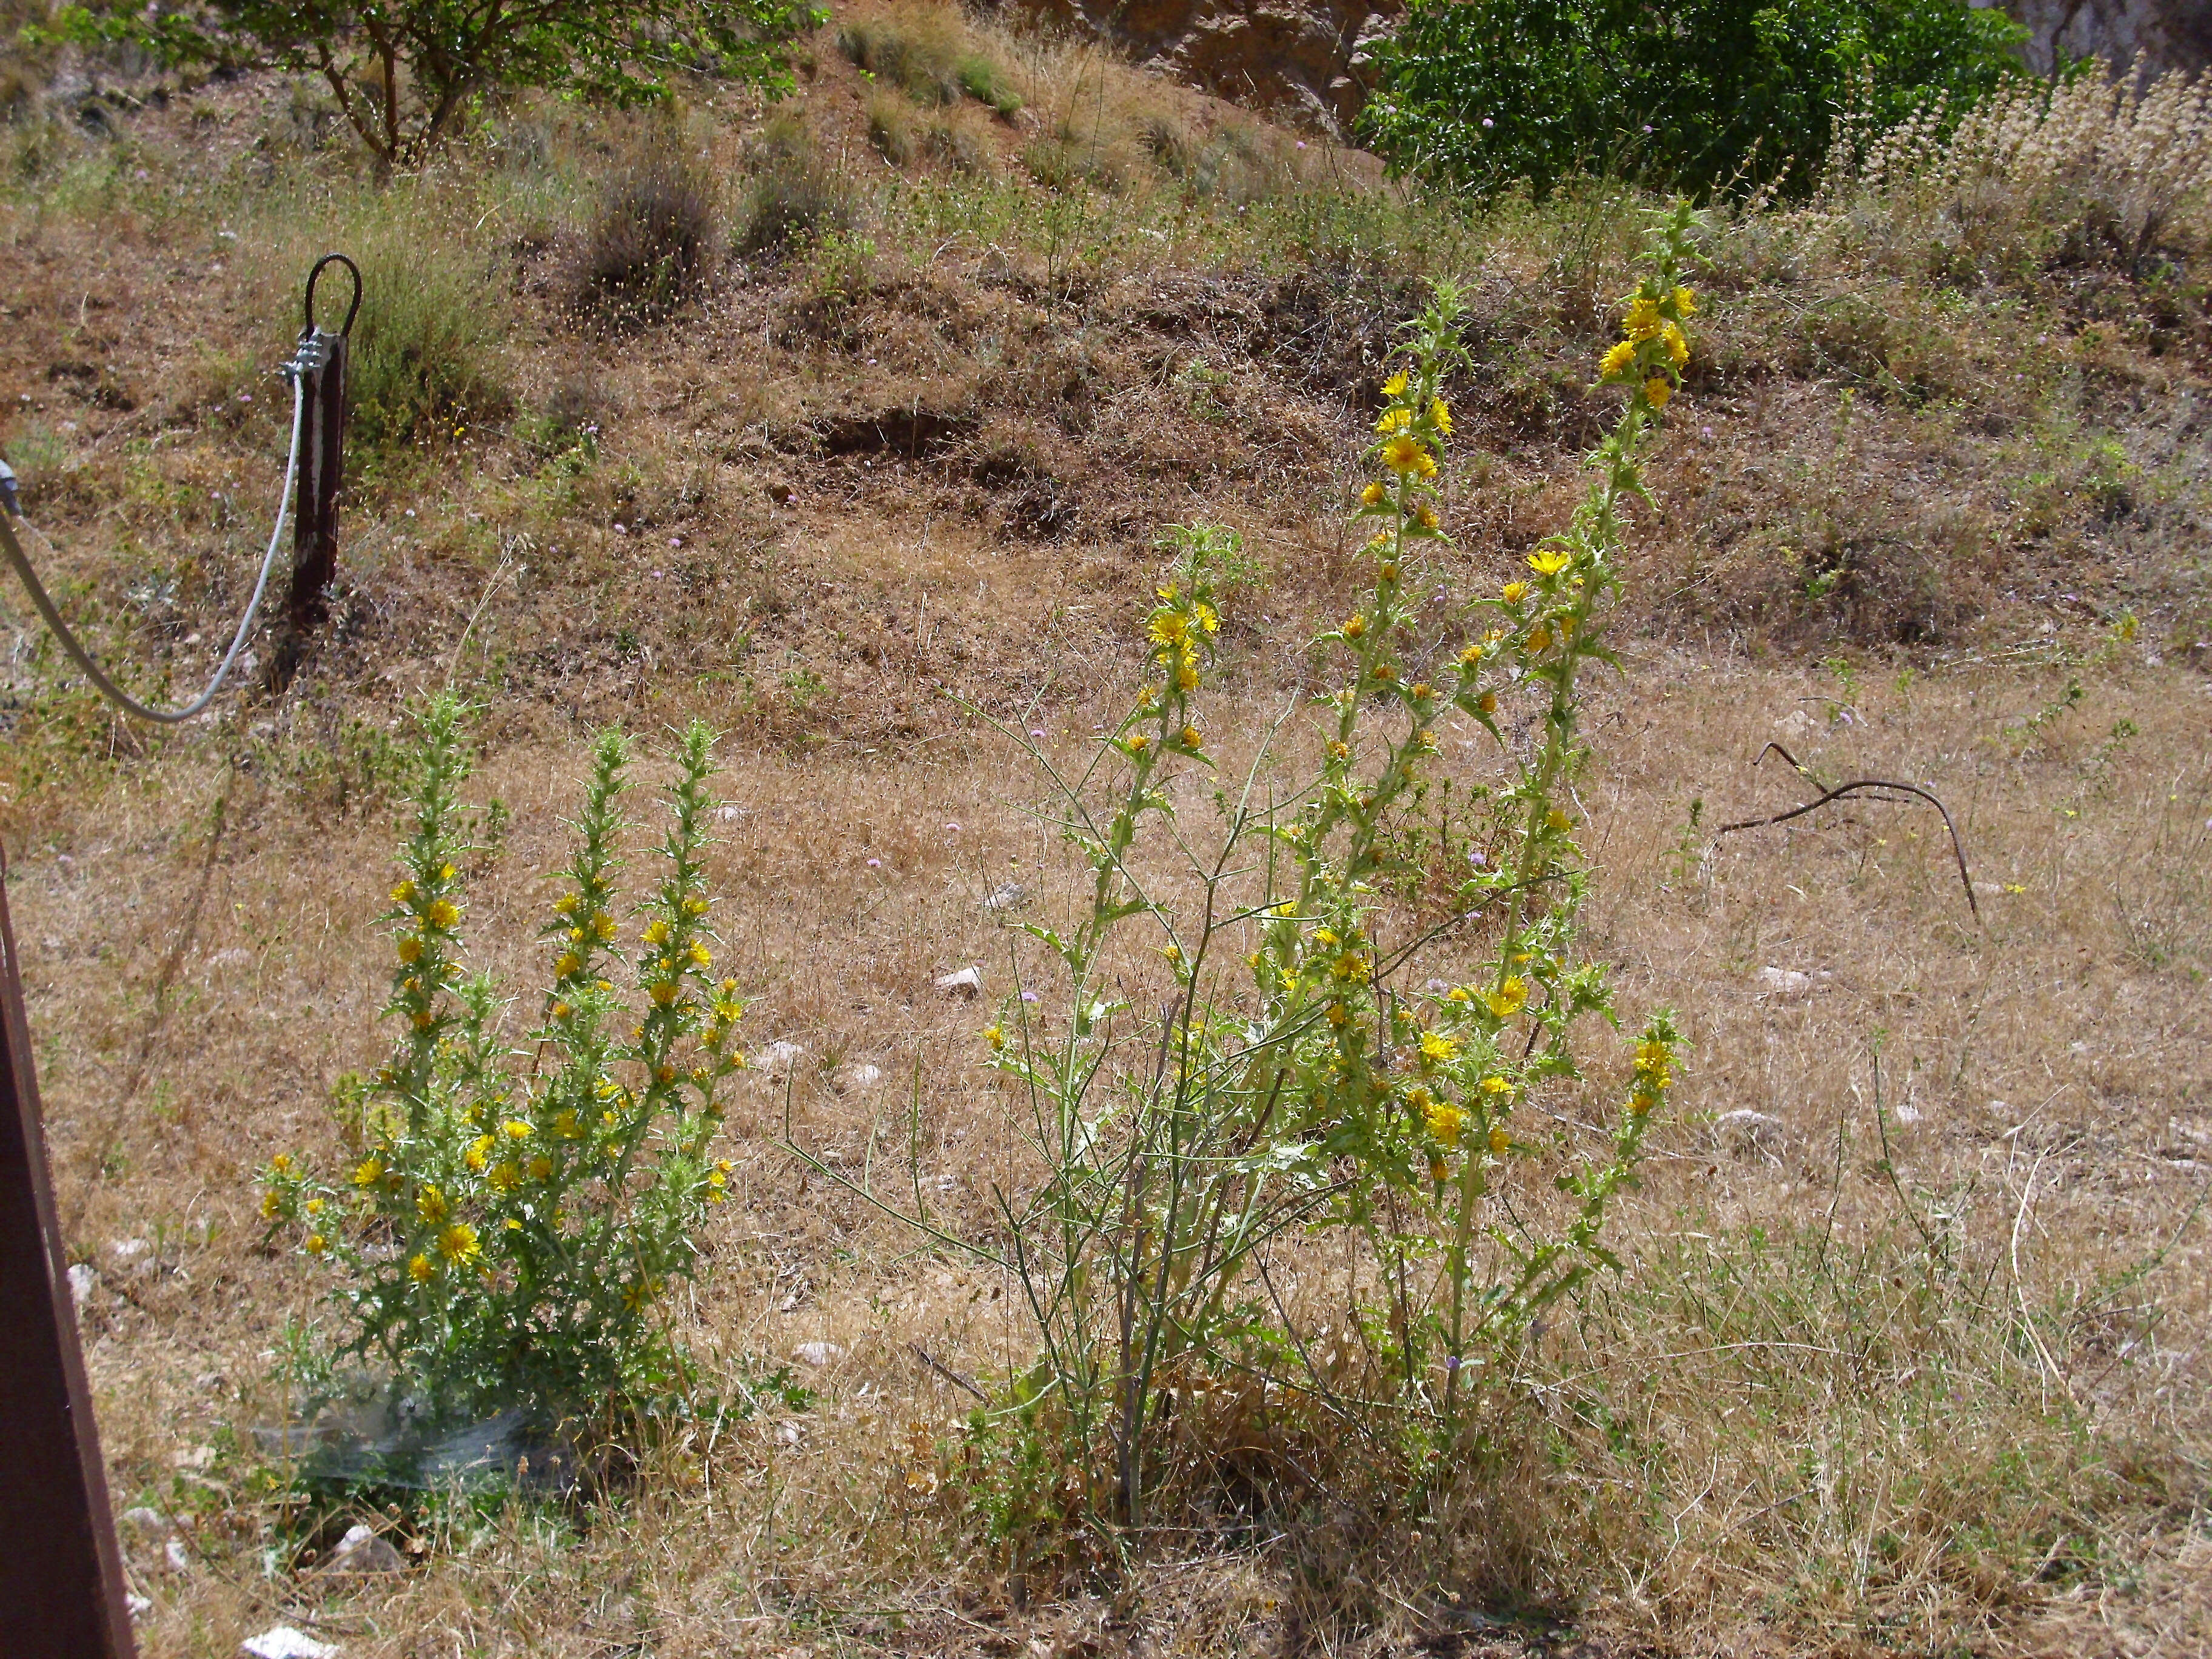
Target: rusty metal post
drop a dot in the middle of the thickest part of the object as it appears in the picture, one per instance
(322, 478)
(61, 1571)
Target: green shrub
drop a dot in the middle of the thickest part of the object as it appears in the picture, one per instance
(425, 361)
(510, 1223)
(1488, 93)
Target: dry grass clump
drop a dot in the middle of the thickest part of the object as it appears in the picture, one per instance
(931, 55)
(650, 236)
(2093, 169)
(794, 195)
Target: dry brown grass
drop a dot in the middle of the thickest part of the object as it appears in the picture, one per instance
(809, 522)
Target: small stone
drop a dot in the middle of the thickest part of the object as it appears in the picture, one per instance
(82, 1281)
(1782, 981)
(1797, 724)
(140, 1606)
(362, 1551)
(146, 1522)
(174, 1553)
(967, 982)
(816, 1354)
(1745, 1131)
(778, 1057)
(857, 1079)
(282, 1641)
(128, 1250)
(1006, 898)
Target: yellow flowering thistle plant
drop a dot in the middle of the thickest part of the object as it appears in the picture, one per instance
(501, 1234)
(1186, 1123)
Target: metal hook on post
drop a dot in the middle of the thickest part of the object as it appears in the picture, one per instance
(321, 365)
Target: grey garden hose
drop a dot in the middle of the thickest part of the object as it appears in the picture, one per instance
(108, 688)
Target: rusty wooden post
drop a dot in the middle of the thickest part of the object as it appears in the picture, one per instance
(61, 1571)
(322, 477)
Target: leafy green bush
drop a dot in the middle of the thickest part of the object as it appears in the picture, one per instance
(1488, 93)
(509, 1223)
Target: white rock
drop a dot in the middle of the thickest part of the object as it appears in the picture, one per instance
(857, 1079)
(150, 1523)
(1745, 1130)
(174, 1553)
(778, 1057)
(1782, 981)
(1006, 897)
(282, 1641)
(82, 1281)
(128, 1250)
(816, 1354)
(967, 982)
(362, 1551)
(140, 1606)
(1797, 724)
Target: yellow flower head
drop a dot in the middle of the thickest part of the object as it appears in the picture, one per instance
(1440, 416)
(1509, 998)
(1406, 453)
(458, 1243)
(430, 1205)
(565, 904)
(1494, 1084)
(1686, 303)
(1657, 390)
(658, 933)
(701, 956)
(1372, 495)
(403, 894)
(478, 1154)
(1395, 385)
(1425, 516)
(1557, 819)
(516, 1129)
(443, 913)
(604, 925)
(422, 1269)
(1445, 1120)
(1394, 420)
(1615, 363)
(1677, 347)
(1550, 560)
(1208, 618)
(317, 1244)
(410, 949)
(1187, 677)
(1192, 737)
(1641, 320)
(1355, 627)
(272, 1205)
(541, 1167)
(505, 1177)
(1487, 703)
(1500, 1142)
(1437, 1049)
(664, 993)
(368, 1172)
(1652, 1055)
(1514, 593)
